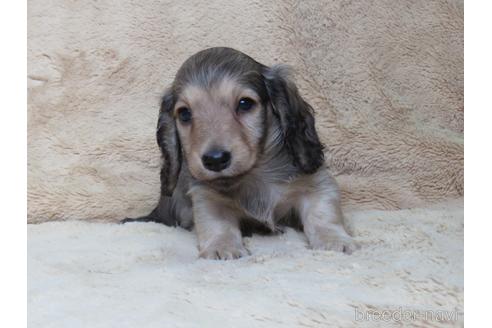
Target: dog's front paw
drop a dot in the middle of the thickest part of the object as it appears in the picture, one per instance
(345, 245)
(332, 240)
(221, 250)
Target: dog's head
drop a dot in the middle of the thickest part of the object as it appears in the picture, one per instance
(215, 114)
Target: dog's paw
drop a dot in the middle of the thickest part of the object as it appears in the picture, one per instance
(223, 252)
(344, 245)
(334, 241)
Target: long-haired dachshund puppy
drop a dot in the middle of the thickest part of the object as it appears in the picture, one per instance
(240, 150)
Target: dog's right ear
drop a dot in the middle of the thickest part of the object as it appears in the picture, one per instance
(168, 141)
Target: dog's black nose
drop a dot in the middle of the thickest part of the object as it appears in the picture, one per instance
(216, 160)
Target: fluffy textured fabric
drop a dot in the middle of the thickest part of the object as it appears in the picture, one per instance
(386, 81)
(385, 78)
(147, 275)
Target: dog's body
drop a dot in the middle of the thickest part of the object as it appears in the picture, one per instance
(240, 150)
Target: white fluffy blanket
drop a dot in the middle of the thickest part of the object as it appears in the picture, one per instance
(148, 275)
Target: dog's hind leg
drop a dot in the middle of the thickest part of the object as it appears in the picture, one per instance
(152, 217)
(161, 214)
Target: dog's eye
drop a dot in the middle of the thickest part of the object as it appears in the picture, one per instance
(184, 114)
(245, 104)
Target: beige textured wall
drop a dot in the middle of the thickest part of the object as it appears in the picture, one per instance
(385, 77)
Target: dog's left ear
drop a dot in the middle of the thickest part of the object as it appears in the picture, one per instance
(168, 141)
(296, 119)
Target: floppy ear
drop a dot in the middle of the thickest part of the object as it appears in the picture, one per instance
(168, 141)
(296, 120)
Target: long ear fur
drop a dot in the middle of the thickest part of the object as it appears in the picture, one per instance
(168, 141)
(296, 120)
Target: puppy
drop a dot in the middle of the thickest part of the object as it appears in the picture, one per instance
(240, 150)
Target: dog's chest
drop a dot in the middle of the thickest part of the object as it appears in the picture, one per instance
(265, 202)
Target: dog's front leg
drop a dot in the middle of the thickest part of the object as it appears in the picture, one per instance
(322, 220)
(216, 226)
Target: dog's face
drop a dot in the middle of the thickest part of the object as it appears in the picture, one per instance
(220, 127)
(217, 113)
